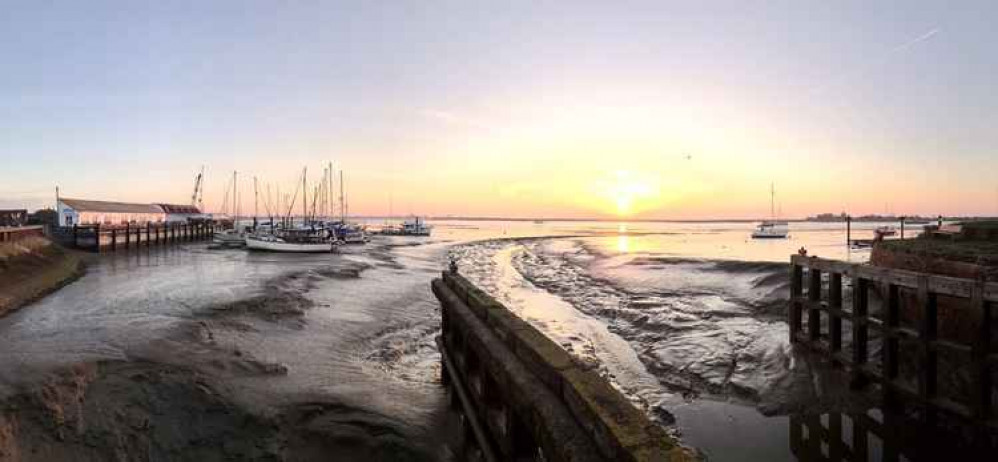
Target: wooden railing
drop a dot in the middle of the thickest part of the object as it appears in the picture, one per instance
(816, 297)
(11, 234)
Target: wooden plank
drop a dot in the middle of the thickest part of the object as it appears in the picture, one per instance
(860, 305)
(813, 312)
(943, 285)
(890, 350)
(796, 291)
(981, 384)
(835, 303)
(927, 377)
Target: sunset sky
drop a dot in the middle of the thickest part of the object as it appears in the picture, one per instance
(558, 109)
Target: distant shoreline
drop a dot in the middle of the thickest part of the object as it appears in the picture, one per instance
(662, 220)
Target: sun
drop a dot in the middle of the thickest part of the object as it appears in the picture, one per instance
(629, 192)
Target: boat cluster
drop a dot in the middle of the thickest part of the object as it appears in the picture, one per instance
(309, 236)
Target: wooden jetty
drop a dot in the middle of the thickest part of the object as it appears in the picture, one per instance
(97, 238)
(818, 310)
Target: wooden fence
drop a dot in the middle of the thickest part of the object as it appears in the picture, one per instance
(11, 234)
(820, 303)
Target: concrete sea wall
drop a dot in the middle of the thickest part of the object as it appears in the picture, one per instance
(524, 396)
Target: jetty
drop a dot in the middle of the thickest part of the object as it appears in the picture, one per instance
(926, 304)
(98, 238)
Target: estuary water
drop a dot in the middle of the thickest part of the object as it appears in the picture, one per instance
(335, 353)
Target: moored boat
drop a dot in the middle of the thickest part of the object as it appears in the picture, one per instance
(771, 230)
(414, 227)
(294, 241)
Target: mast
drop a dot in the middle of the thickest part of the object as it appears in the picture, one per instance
(256, 197)
(772, 200)
(343, 210)
(235, 195)
(304, 189)
(330, 192)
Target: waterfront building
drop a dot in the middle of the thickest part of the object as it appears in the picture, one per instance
(13, 217)
(87, 212)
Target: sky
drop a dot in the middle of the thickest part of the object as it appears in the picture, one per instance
(659, 109)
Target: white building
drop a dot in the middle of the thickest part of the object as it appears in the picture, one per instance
(182, 213)
(84, 212)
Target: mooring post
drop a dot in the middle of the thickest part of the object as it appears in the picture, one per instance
(848, 230)
(128, 234)
(76, 236)
(902, 228)
(148, 229)
(114, 239)
(97, 237)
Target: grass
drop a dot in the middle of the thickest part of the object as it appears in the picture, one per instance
(32, 268)
(980, 252)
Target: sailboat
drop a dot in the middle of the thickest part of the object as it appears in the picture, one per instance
(304, 239)
(231, 237)
(773, 228)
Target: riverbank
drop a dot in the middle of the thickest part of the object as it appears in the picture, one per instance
(32, 268)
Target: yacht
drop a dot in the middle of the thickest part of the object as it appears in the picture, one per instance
(772, 229)
(292, 240)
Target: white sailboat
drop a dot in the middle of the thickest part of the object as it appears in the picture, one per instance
(772, 229)
(304, 239)
(295, 241)
(232, 237)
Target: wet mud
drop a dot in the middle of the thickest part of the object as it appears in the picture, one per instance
(242, 376)
(138, 411)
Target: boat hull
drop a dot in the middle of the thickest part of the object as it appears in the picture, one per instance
(768, 236)
(289, 247)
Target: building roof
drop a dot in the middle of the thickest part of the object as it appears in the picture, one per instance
(81, 205)
(180, 209)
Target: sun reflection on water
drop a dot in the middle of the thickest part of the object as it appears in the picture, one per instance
(623, 240)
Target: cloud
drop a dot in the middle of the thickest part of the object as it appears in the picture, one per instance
(916, 40)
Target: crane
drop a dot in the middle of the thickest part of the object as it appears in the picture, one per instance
(198, 196)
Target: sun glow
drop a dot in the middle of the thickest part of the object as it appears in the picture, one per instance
(630, 193)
